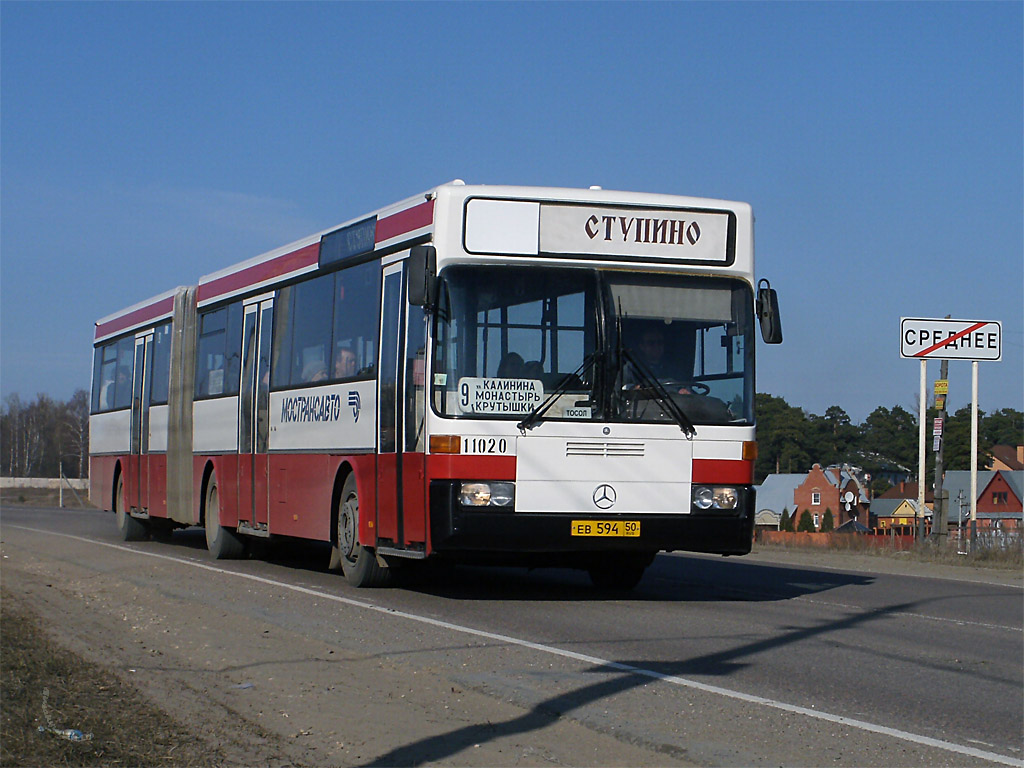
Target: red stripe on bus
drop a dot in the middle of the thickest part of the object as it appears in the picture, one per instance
(442, 466)
(723, 471)
(157, 309)
(258, 273)
(410, 219)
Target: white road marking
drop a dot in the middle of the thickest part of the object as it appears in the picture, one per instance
(596, 661)
(911, 615)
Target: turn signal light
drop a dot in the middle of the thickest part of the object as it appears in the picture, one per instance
(445, 444)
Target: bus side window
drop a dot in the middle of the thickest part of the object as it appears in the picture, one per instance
(325, 329)
(125, 365)
(314, 302)
(104, 378)
(218, 354)
(355, 321)
(281, 349)
(233, 350)
(161, 365)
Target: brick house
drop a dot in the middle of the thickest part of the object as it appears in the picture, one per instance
(838, 489)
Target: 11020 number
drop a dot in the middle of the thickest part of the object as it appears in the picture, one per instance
(485, 445)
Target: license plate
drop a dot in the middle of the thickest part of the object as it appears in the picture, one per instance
(605, 528)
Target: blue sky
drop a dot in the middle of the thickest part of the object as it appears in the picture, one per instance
(145, 144)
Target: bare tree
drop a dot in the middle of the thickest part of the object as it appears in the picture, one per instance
(32, 435)
(75, 426)
(11, 435)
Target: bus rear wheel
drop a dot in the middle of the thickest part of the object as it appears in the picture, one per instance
(359, 564)
(223, 543)
(131, 528)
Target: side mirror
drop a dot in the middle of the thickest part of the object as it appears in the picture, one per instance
(768, 313)
(421, 272)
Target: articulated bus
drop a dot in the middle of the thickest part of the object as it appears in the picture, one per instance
(478, 374)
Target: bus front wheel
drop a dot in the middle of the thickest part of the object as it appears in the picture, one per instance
(359, 564)
(223, 543)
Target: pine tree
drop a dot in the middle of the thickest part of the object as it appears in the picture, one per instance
(828, 523)
(785, 522)
(806, 524)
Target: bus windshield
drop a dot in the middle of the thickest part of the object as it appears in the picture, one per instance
(592, 345)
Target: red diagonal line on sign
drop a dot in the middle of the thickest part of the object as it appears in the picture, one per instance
(952, 338)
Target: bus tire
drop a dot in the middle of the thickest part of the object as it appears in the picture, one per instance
(621, 571)
(358, 563)
(223, 543)
(131, 529)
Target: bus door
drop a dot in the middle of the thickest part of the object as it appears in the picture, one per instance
(254, 416)
(138, 463)
(401, 516)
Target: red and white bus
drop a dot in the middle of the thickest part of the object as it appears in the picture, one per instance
(487, 374)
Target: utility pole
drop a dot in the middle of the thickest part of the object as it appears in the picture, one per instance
(939, 527)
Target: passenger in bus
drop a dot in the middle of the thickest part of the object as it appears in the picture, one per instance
(511, 366)
(122, 393)
(313, 371)
(344, 363)
(107, 395)
(533, 370)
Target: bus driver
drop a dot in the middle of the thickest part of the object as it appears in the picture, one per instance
(651, 353)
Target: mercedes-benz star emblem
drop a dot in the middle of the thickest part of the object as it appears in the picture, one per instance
(604, 496)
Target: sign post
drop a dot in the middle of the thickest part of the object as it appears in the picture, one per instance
(919, 513)
(974, 450)
(945, 339)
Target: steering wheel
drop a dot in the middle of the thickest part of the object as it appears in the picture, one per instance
(673, 385)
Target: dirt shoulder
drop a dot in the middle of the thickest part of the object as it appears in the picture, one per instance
(173, 665)
(1006, 571)
(60, 709)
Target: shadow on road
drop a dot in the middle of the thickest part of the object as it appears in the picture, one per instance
(616, 678)
(676, 578)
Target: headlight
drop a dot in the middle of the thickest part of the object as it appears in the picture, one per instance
(715, 497)
(487, 494)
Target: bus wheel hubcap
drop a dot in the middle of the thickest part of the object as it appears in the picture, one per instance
(347, 526)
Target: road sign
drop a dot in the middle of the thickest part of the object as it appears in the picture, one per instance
(936, 339)
(942, 387)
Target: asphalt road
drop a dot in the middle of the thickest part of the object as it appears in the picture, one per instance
(710, 661)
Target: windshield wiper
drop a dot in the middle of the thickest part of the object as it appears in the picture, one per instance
(649, 382)
(534, 417)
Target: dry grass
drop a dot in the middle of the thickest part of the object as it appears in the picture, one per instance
(987, 554)
(44, 497)
(45, 686)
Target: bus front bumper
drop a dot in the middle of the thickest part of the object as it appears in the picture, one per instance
(459, 529)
